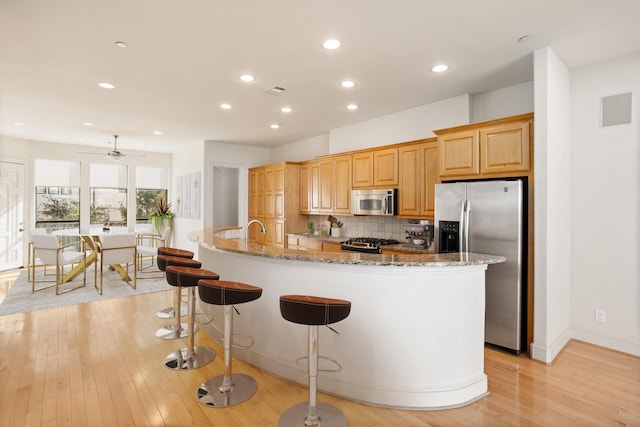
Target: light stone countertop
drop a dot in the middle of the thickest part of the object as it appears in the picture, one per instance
(230, 239)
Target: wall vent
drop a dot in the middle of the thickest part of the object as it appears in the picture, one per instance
(616, 110)
(275, 90)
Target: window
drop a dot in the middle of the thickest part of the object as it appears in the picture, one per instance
(57, 203)
(152, 184)
(108, 193)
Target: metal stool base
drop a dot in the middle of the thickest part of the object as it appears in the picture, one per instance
(169, 332)
(242, 388)
(180, 360)
(168, 313)
(329, 415)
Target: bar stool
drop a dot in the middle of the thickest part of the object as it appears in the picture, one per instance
(167, 313)
(192, 356)
(176, 329)
(228, 389)
(313, 311)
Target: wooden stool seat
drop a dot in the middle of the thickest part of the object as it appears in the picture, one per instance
(166, 260)
(178, 275)
(222, 292)
(182, 253)
(312, 310)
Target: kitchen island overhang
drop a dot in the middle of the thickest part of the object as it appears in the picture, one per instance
(415, 335)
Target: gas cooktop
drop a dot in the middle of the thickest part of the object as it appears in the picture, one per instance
(369, 245)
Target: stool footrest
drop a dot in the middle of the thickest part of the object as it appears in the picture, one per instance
(338, 368)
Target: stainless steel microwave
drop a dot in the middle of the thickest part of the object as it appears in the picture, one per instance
(373, 202)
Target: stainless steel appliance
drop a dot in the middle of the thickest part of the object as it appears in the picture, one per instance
(373, 202)
(490, 217)
(368, 245)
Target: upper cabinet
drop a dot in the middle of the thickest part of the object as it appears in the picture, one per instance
(325, 185)
(497, 148)
(418, 174)
(375, 168)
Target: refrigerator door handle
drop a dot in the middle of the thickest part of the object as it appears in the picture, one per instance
(463, 209)
(466, 225)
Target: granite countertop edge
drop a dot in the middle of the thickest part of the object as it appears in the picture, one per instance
(223, 239)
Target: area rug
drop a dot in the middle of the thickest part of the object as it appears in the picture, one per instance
(20, 299)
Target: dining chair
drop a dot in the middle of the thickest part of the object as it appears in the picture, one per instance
(147, 247)
(48, 249)
(117, 249)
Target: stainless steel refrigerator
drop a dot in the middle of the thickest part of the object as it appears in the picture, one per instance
(489, 217)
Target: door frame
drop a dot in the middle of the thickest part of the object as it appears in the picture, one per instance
(17, 222)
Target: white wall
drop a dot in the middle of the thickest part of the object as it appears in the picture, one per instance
(299, 151)
(552, 192)
(186, 162)
(605, 208)
(509, 101)
(407, 125)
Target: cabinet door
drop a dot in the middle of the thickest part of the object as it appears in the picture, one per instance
(385, 168)
(342, 185)
(314, 178)
(278, 192)
(459, 153)
(505, 148)
(429, 179)
(331, 247)
(256, 192)
(269, 193)
(362, 170)
(326, 186)
(278, 233)
(304, 188)
(410, 179)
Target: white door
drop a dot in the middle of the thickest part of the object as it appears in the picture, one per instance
(11, 215)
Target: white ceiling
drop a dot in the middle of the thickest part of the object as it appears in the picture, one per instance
(184, 59)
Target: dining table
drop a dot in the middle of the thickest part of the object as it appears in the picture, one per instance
(92, 240)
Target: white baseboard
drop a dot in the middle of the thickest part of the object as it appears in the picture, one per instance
(607, 342)
(547, 355)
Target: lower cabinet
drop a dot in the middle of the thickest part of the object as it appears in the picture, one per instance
(302, 243)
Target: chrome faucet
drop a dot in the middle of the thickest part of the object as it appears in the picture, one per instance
(246, 228)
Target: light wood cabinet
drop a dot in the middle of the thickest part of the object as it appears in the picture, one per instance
(505, 148)
(497, 148)
(325, 185)
(362, 169)
(375, 168)
(302, 243)
(385, 168)
(274, 200)
(418, 175)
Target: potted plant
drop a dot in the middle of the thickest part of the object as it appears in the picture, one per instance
(162, 217)
(310, 228)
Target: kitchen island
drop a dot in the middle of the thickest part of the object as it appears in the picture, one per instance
(415, 335)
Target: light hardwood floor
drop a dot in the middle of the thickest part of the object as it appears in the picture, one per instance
(99, 364)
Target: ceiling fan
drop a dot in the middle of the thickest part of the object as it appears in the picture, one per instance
(116, 154)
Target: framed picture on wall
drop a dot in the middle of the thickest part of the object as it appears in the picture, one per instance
(186, 196)
(177, 206)
(195, 195)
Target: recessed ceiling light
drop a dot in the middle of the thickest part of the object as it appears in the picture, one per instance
(18, 124)
(121, 44)
(157, 132)
(331, 44)
(87, 124)
(347, 84)
(247, 78)
(352, 107)
(275, 126)
(440, 68)
(286, 109)
(225, 106)
(106, 85)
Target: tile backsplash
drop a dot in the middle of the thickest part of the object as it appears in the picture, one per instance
(383, 227)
